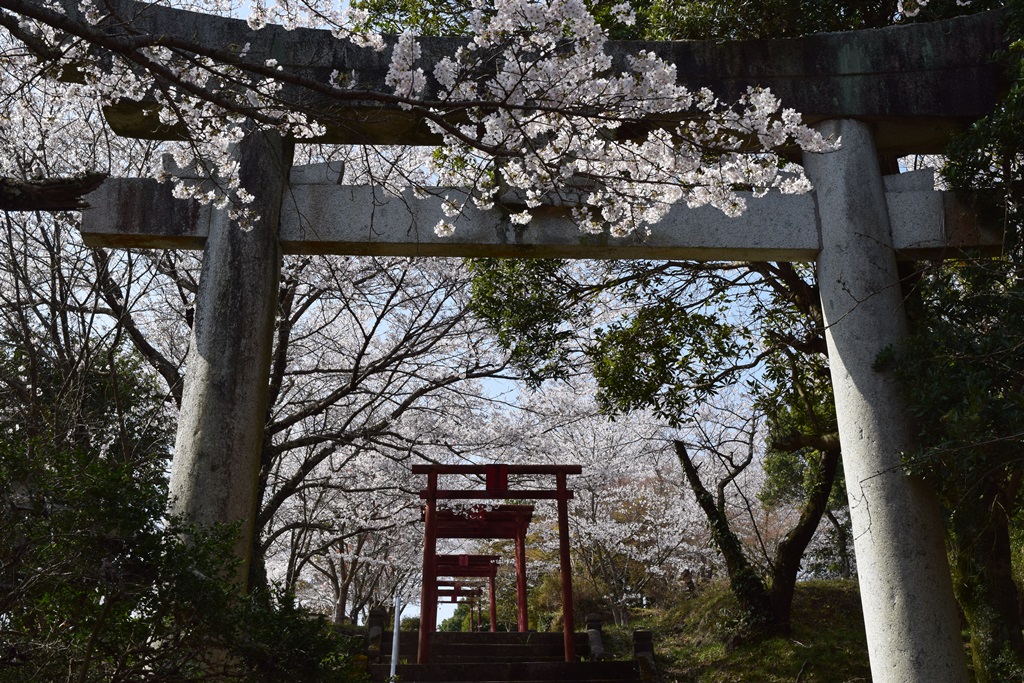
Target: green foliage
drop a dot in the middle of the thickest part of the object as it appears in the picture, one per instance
(545, 602)
(430, 17)
(696, 641)
(278, 641)
(98, 582)
(741, 19)
(787, 475)
(524, 301)
(801, 423)
(460, 620)
(665, 357)
(451, 17)
(682, 19)
(745, 20)
(666, 352)
(796, 396)
(964, 373)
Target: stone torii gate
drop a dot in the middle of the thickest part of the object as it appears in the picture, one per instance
(886, 92)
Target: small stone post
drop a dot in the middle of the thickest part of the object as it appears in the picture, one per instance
(910, 614)
(594, 639)
(215, 471)
(643, 652)
(375, 621)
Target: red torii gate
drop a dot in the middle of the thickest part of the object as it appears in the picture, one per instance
(451, 591)
(503, 521)
(473, 566)
(496, 488)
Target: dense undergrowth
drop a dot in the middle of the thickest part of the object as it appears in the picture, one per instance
(701, 639)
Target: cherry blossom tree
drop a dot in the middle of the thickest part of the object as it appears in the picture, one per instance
(519, 109)
(633, 528)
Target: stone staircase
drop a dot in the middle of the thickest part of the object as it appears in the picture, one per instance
(504, 658)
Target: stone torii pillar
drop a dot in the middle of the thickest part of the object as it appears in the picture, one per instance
(909, 613)
(216, 465)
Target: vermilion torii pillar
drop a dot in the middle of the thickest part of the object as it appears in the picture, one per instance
(496, 488)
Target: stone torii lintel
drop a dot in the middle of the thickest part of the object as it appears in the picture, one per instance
(925, 224)
(913, 83)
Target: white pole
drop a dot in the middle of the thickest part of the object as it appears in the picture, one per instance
(394, 635)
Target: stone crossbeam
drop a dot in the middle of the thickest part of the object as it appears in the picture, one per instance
(913, 83)
(321, 217)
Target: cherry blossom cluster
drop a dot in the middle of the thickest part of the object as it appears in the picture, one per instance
(533, 111)
(548, 119)
(911, 8)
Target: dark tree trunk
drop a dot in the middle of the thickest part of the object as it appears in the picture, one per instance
(744, 581)
(843, 543)
(985, 588)
(791, 548)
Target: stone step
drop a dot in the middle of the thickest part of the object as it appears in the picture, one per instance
(512, 672)
(499, 637)
(485, 646)
(471, 659)
(522, 651)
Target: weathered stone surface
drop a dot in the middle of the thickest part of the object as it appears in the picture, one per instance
(325, 218)
(913, 83)
(910, 614)
(217, 451)
(49, 194)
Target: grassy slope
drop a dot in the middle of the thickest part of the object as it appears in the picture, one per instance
(695, 641)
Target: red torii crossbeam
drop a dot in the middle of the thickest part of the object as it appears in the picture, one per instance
(496, 488)
(451, 591)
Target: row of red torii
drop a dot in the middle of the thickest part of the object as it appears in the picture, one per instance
(502, 521)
